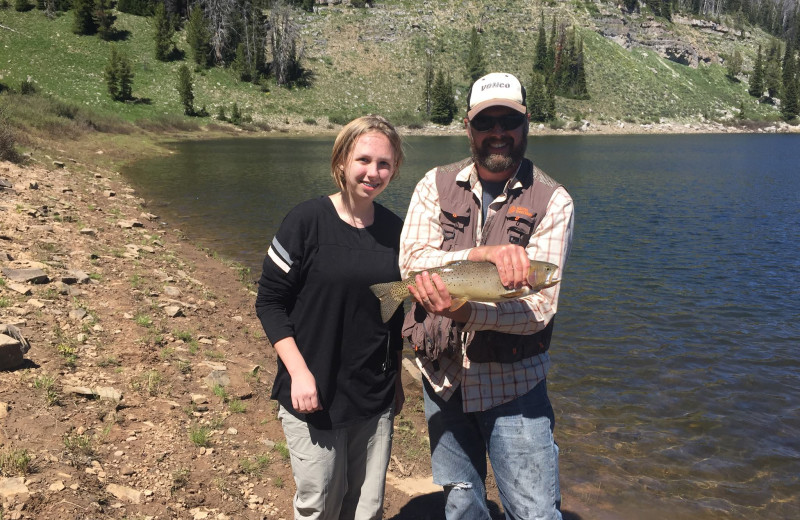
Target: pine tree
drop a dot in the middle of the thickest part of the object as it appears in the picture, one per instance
(789, 101)
(772, 71)
(540, 52)
(104, 18)
(185, 89)
(551, 99)
(756, 87)
(790, 106)
(119, 76)
(560, 62)
(240, 66)
(22, 6)
(125, 76)
(84, 22)
(236, 115)
(734, 64)
(551, 48)
(111, 74)
(198, 37)
(537, 98)
(442, 106)
(476, 64)
(429, 77)
(579, 87)
(788, 65)
(164, 31)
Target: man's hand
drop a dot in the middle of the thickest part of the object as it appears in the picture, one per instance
(432, 294)
(511, 260)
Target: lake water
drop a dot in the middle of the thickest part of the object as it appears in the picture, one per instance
(676, 371)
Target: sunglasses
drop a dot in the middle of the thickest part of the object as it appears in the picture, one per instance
(506, 122)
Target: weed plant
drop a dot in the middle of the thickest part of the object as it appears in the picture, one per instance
(200, 436)
(14, 462)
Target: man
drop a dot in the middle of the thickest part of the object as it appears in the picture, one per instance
(485, 385)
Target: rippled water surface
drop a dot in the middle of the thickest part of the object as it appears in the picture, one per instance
(676, 376)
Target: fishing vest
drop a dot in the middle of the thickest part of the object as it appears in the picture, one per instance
(513, 223)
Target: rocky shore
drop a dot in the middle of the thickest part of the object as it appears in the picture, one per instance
(135, 375)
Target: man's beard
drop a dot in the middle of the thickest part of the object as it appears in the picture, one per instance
(497, 163)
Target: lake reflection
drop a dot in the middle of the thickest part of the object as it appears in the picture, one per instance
(675, 378)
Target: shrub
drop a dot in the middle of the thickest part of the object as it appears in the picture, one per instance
(27, 86)
(8, 141)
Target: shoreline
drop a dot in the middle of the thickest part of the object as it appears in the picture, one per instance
(299, 129)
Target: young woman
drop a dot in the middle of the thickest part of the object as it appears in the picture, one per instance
(337, 383)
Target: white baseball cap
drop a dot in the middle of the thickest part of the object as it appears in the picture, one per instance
(496, 89)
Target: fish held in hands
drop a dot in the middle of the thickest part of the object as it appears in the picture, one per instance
(467, 281)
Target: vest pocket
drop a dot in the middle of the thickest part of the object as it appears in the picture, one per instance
(518, 229)
(454, 220)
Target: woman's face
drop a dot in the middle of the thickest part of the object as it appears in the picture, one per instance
(370, 167)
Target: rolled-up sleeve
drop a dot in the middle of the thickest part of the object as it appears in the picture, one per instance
(422, 234)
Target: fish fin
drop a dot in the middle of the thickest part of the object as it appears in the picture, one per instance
(515, 294)
(457, 304)
(389, 302)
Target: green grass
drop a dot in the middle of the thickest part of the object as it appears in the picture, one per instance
(282, 449)
(369, 62)
(254, 467)
(200, 436)
(78, 445)
(47, 385)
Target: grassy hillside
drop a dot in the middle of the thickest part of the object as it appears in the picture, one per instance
(372, 60)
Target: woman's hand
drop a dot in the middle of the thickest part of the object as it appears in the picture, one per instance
(304, 392)
(304, 385)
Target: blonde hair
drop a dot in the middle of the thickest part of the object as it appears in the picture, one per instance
(346, 140)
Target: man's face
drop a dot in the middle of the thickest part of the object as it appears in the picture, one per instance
(496, 149)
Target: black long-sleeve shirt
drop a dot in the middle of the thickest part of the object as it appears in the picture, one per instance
(315, 287)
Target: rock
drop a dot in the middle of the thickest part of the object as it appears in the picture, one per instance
(103, 392)
(26, 275)
(173, 311)
(129, 224)
(14, 487)
(3, 410)
(217, 378)
(77, 314)
(57, 486)
(17, 287)
(199, 399)
(172, 292)
(125, 493)
(88, 231)
(13, 347)
(75, 277)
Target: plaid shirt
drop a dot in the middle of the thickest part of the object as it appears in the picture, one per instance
(486, 385)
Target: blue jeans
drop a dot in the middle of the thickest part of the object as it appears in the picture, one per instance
(518, 437)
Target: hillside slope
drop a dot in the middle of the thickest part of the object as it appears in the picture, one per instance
(373, 60)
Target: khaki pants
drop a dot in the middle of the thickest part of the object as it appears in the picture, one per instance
(340, 474)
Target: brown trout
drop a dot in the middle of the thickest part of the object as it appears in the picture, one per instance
(467, 281)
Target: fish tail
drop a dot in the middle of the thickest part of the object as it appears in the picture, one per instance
(387, 294)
